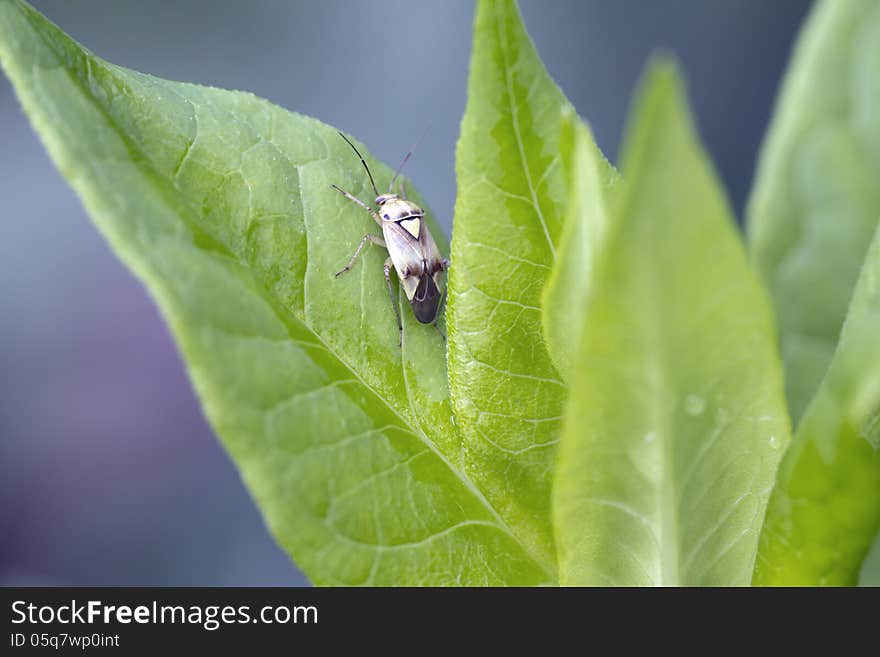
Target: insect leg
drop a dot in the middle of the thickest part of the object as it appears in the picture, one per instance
(355, 199)
(367, 238)
(388, 265)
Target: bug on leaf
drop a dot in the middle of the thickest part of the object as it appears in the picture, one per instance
(412, 251)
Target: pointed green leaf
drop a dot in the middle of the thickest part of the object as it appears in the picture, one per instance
(825, 509)
(816, 199)
(590, 181)
(506, 393)
(676, 418)
(220, 203)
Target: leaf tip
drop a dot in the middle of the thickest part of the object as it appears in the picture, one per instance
(660, 96)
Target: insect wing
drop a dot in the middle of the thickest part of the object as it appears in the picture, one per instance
(426, 302)
(406, 254)
(430, 251)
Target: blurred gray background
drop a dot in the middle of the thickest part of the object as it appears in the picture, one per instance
(108, 472)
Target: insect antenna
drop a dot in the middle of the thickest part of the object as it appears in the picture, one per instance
(372, 182)
(406, 158)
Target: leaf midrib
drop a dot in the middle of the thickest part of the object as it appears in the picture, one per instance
(514, 120)
(170, 192)
(657, 373)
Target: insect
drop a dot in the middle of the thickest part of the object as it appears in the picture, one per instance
(412, 251)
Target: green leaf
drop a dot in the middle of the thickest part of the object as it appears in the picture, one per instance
(825, 509)
(676, 416)
(816, 200)
(590, 180)
(220, 203)
(870, 573)
(506, 393)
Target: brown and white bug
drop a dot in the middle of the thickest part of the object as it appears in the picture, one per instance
(411, 248)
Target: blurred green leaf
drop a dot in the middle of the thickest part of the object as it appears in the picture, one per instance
(825, 509)
(220, 203)
(870, 573)
(676, 418)
(590, 181)
(506, 393)
(816, 200)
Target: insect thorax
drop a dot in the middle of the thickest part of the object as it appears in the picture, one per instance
(396, 209)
